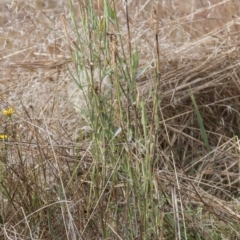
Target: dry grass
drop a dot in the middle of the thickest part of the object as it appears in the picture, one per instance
(156, 157)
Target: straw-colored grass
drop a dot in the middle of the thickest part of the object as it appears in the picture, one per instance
(120, 121)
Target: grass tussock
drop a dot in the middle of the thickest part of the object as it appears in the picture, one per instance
(120, 120)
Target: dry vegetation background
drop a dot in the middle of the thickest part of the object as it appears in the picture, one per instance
(199, 49)
(34, 49)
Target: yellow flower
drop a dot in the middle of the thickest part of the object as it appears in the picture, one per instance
(8, 112)
(3, 136)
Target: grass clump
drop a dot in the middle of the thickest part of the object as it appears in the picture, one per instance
(118, 147)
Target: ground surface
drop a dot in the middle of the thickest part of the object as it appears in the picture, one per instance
(193, 184)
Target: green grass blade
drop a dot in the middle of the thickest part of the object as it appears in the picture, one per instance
(200, 122)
